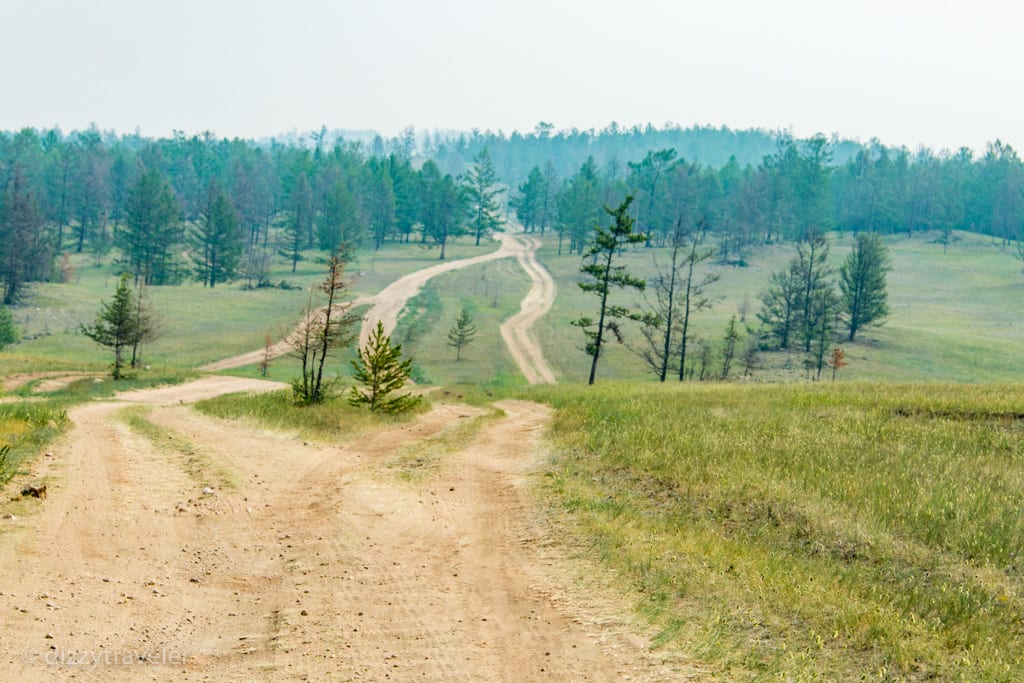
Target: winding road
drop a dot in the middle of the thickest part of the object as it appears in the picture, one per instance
(213, 550)
(387, 306)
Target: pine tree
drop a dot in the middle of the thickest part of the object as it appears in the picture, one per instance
(482, 193)
(147, 323)
(732, 335)
(862, 283)
(461, 333)
(151, 231)
(115, 325)
(598, 259)
(826, 307)
(217, 239)
(382, 371)
(8, 332)
(24, 252)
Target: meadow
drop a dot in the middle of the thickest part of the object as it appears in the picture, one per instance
(769, 529)
(831, 532)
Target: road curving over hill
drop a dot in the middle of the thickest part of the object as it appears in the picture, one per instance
(387, 306)
(215, 550)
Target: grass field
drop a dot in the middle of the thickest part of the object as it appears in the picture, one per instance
(491, 292)
(868, 529)
(829, 532)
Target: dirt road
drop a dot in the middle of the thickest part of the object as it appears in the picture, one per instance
(301, 561)
(517, 331)
(388, 304)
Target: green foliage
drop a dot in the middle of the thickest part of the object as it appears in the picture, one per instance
(679, 292)
(151, 231)
(797, 298)
(729, 341)
(116, 325)
(8, 332)
(578, 205)
(442, 206)
(812, 532)
(482, 192)
(216, 239)
(862, 283)
(603, 275)
(298, 229)
(534, 202)
(461, 333)
(25, 254)
(381, 371)
(338, 223)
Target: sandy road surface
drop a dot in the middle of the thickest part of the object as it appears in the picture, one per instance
(308, 562)
(517, 331)
(392, 299)
(52, 379)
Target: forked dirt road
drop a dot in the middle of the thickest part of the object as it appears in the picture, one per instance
(387, 305)
(305, 562)
(517, 331)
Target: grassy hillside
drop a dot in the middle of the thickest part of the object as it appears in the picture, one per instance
(862, 530)
(828, 532)
(198, 325)
(957, 316)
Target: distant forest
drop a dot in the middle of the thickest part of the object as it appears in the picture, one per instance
(221, 210)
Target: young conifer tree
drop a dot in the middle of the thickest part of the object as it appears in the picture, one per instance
(461, 333)
(116, 326)
(381, 371)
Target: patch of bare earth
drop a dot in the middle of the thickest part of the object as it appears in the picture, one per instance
(51, 381)
(307, 562)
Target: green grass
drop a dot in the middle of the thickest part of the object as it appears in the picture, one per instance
(955, 316)
(326, 421)
(25, 428)
(830, 532)
(491, 292)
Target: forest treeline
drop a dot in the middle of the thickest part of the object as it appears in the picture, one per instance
(218, 210)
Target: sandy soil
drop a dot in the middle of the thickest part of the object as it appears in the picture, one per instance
(387, 305)
(304, 562)
(53, 380)
(517, 331)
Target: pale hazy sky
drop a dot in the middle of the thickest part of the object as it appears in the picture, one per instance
(940, 73)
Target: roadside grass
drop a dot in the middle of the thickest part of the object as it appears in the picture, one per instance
(491, 292)
(323, 422)
(14, 362)
(806, 532)
(25, 428)
(28, 425)
(199, 466)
